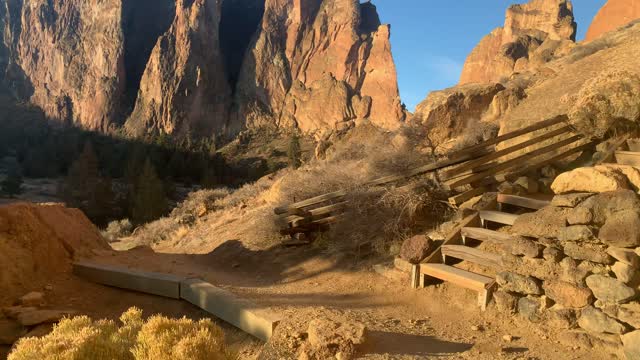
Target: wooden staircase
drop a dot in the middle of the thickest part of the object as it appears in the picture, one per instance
(461, 244)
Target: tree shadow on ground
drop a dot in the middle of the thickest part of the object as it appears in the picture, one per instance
(381, 342)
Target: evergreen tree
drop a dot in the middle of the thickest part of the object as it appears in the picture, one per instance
(149, 200)
(82, 179)
(294, 152)
(12, 184)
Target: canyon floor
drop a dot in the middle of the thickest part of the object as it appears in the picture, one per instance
(302, 284)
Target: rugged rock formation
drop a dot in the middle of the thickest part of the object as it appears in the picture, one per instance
(309, 41)
(184, 89)
(614, 14)
(69, 56)
(532, 35)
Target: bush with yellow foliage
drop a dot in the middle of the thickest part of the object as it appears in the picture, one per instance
(158, 338)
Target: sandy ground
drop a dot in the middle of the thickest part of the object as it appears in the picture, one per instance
(301, 284)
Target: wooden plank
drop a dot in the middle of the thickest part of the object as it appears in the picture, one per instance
(522, 201)
(473, 255)
(609, 154)
(315, 214)
(498, 217)
(498, 154)
(512, 135)
(453, 238)
(402, 265)
(468, 195)
(123, 278)
(309, 202)
(462, 278)
(224, 305)
(630, 158)
(514, 162)
(415, 276)
(482, 234)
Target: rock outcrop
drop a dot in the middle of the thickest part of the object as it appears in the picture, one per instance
(184, 89)
(614, 14)
(301, 45)
(533, 34)
(68, 57)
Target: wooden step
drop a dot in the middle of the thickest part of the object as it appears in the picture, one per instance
(483, 234)
(473, 255)
(483, 285)
(631, 158)
(522, 201)
(497, 217)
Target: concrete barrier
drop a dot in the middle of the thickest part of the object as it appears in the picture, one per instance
(240, 313)
(146, 282)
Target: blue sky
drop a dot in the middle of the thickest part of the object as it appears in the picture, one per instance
(431, 39)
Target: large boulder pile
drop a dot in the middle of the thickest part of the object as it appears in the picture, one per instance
(575, 265)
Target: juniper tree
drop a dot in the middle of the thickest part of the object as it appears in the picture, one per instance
(149, 200)
(294, 151)
(12, 184)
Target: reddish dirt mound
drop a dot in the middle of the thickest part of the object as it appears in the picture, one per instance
(38, 242)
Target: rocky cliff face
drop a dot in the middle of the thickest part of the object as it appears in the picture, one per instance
(533, 34)
(68, 55)
(184, 89)
(305, 45)
(612, 15)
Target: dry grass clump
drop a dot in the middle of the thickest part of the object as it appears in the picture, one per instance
(117, 229)
(605, 101)
(159, 338)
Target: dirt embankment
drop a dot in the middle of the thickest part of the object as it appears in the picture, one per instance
(38, 242)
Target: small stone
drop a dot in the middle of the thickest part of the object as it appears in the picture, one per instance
(609, 290)
(507, 338)
(528, 184)
(12, 312)
(630, 314)
(580, 216)
(552, 254)
(587, 252)
(475, 328)
(525, 247)
(576, 233)
(505, 302)
(517, 283)
(33, 298)
(416, 248)
(626, 256)
(624, 272)
(560, 317)
(567, 294)
(594, 320)
(570, 200)
(549, 172)
(621, 230)
(48, 287)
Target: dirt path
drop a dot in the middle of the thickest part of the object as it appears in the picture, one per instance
(302, 284)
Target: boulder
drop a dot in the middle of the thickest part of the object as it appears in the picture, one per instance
(328, 338)
(580, 216)
(624, 272)
(610, 204)
(626, 256)
(518, 283)
(590, 179)
(570, 200)
(416, 248)
(609, 290)
(560, 317)
(505, 302)
(622, 229)
(36, 317)
(587, 252)
(594, 320)
(530, 308)
(546, 222)
(553, 254)
(630, 314)
(528, 184)
(567, 294)
(33, 298)
(631, 345)
(526, 247)
(614, 14)
(575, 233)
